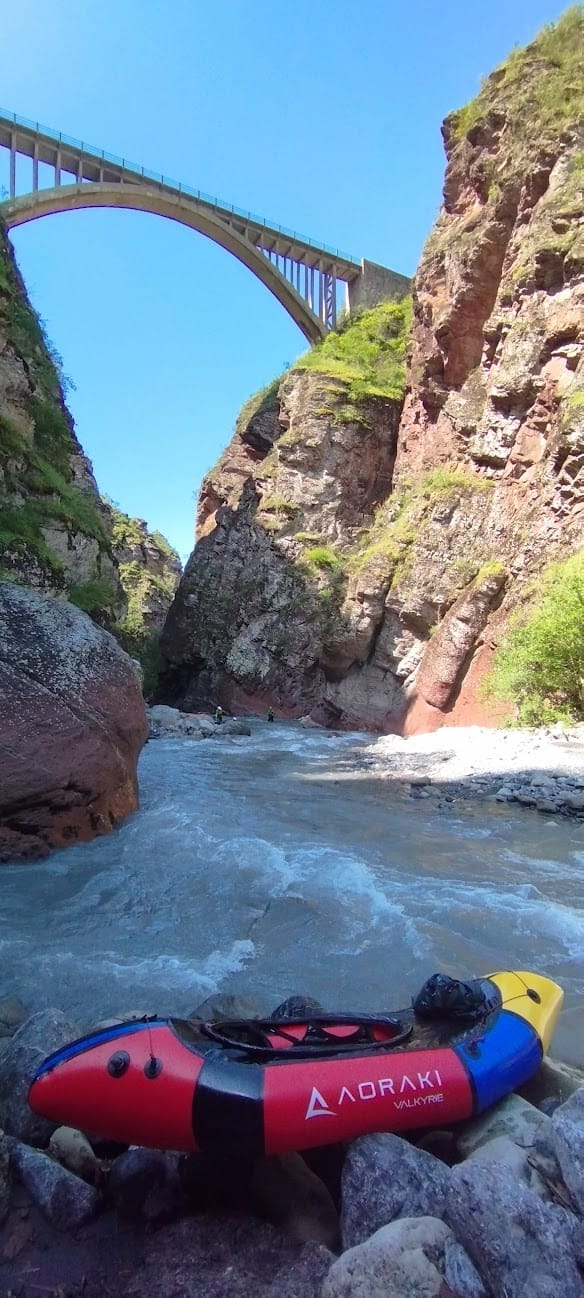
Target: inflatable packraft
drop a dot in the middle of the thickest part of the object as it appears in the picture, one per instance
(294, 1080)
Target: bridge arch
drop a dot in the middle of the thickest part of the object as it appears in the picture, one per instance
(141, 198)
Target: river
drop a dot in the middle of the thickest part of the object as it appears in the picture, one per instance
(275, 864)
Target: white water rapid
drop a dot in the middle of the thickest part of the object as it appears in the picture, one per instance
(278, 864)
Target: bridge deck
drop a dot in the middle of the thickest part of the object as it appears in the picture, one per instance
(84, 163)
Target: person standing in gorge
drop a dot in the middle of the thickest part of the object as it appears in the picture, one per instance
(218, 715)
(270, 714)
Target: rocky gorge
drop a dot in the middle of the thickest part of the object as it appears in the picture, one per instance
(379, 517)
(383, 510)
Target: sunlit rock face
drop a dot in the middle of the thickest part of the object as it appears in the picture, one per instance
(360, 557)
(72, 724)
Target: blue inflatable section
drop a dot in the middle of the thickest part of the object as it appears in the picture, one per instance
(94, 1039)
(501, 1060)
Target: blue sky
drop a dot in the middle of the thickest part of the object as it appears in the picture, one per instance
(323, 117)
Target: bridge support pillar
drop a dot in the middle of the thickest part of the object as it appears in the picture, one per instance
(376, 284)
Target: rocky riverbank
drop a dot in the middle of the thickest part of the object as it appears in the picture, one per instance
(541, 768)
(492, 1208)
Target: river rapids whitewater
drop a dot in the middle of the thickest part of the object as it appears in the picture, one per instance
(274, 865)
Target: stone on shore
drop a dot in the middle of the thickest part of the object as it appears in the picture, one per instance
(72, 722)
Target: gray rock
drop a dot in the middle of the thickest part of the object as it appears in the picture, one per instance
(553, 1080)
(513, 1117)
(190, 726)
(164, 717)
(29, 1046)
(507, 1153)
(385, 1177)
(568, 1141)
(144, 1184)
(504, 794)
(228, 1257)
(71, 1148)
(520, 1245)
(232, 726)
(575, 801)
(546, 805)
(12, 1014)
(226, 1005)
(64, 1199)
(403, 1258)
(460, 1273)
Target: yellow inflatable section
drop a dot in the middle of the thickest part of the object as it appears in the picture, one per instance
(536, 999)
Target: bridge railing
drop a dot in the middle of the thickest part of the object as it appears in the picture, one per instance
(124, 164)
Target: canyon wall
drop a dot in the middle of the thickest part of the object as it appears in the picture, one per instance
(365, 537)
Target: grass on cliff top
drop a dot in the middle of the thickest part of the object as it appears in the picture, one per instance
(540, 87)
(367, 351)
(260, 403)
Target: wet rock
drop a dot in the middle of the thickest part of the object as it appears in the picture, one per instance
(233, 726)
(64, 1199)
(289, 1195)
(568, 1140)
(162, 717)
(27, 1049)
(144, 1184)
(520, 1245)
(385, 1177)
(226, 1005)
(512, 1117)
(228, 1257)
(402, 1258)
(12, 1014)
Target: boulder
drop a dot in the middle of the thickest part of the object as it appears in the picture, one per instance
(72, 721)
(64, 1199)
(144, 1184)
(12, 1014)
(71, 1148)
(513, 1117)
(568, 1140)
(460, 1273)
(385, 1177)
(506, 1153)
(31, 1043)
(522, 1247)
(403, 1258)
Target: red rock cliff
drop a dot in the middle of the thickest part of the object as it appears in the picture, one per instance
(364, 570)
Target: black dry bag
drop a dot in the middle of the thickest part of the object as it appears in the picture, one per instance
(444, 997)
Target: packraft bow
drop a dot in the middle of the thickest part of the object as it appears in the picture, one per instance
(265, 1086)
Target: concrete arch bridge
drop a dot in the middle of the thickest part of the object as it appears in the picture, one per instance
(306, 277)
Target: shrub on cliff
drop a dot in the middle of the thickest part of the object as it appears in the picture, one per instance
(540, 664)
(367, 351)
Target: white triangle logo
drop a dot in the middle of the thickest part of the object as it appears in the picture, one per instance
(317, 1106)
